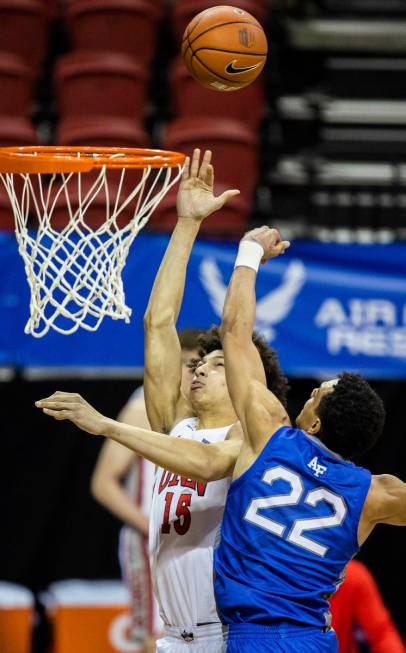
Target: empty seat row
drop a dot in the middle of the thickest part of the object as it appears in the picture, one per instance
(83, 77)
(235, 154)
(127, 26)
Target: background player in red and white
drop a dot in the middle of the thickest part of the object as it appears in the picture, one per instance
(123, 482)
(358, 606)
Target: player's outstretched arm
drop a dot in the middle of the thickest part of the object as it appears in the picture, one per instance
(201, 462)
(258, 410)
(385, 504)
(196, 200)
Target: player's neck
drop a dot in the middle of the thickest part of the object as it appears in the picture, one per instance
(207, 419)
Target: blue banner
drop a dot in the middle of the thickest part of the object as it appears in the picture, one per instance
(324, 307)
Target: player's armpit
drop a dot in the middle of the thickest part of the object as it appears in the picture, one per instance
(386, 501)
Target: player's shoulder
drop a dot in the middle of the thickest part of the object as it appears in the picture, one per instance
(383, 490)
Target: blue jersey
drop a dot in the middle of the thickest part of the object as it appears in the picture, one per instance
(289, 528)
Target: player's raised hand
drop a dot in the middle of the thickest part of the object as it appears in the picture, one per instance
(196, 198)
(270, 240)
(71, 406)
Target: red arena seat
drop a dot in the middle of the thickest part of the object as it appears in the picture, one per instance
(230, 222)
(16, 131)
(16, 86)
(185, 10)
(96, 130)
(128, 26)
(234, 147)
(24, 29)
(83, 77)
(192, 99)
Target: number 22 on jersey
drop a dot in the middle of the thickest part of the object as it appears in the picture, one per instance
(292, 498)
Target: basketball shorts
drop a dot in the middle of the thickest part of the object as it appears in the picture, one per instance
(133, 553)
(252, 638)
(200, 639)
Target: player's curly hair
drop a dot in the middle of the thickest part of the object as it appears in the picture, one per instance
(275, 379)
(352, 416)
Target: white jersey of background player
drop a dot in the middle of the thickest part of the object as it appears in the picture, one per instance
(123, 483)
(185, 516)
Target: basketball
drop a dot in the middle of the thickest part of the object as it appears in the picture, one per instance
(224, 48)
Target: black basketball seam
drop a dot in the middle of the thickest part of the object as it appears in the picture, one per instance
(250, 54)
(231, 22)
(189, 47)
(213, 72)
(189, 33)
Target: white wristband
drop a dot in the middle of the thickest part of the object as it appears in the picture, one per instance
(249, 255)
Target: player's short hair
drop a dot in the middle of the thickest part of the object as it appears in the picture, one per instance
(275, 379)
(188, 338)
(352, 416)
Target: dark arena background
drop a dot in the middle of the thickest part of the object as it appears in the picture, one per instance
(317, 146)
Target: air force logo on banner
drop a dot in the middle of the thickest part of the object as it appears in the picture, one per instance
(272, 308)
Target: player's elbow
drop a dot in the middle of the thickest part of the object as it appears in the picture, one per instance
(216, 465)
(154, 320)
(234, 332)
(98, 487)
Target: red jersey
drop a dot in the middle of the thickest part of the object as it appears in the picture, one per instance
(359, 603)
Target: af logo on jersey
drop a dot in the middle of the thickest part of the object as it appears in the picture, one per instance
(318, 469)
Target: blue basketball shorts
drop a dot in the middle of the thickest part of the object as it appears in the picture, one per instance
(283, 638)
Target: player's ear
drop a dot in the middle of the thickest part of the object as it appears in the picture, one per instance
(315, 426)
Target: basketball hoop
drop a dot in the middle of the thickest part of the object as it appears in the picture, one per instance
(74, 272)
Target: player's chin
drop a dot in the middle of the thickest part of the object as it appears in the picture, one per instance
(197, 396)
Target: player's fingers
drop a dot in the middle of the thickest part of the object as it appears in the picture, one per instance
(209, 177)
(227, 195)
(57, 405)
(186, 169)
(195, 163)
(205, 165)
(283, 246)
(58, 396)
(56, 414)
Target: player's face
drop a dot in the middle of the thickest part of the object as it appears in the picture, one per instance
(308, 420)
(209, 380)
(187, 373)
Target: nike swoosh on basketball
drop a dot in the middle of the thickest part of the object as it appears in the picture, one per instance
(233, 70)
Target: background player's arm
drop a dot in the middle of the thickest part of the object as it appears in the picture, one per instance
(201, 462)
(258, 410)
(374, 618)
(113, 465)
(163, 369)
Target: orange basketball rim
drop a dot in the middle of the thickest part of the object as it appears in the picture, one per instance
(60, 159)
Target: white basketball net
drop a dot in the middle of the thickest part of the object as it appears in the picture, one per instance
(74, 274)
